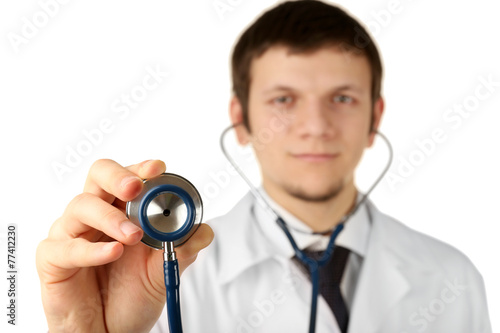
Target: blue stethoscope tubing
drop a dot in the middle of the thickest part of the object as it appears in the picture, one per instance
(311, 263)
(172, 283)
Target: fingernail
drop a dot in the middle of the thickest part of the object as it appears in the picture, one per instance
(128, 228)
(148, 163)
(128, 180)
(108, 247)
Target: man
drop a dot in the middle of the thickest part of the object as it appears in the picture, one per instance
(312, 69)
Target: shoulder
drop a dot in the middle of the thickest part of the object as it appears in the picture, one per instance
(429, 273)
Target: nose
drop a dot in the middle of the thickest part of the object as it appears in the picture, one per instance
(313, 120)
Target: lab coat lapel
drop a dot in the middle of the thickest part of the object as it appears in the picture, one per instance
(383, 280)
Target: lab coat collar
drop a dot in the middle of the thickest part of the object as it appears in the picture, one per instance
(236, 250)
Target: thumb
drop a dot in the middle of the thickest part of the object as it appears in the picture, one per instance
(187, 252)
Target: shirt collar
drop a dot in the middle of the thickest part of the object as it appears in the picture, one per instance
(354, 236)
(257, 237)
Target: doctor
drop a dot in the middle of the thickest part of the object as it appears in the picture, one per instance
(309, 74)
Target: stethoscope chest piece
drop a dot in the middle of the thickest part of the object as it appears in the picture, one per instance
(169, 209)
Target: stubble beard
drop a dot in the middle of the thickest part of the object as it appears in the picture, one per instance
(300, 193)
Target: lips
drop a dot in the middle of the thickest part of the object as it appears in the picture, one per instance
(315, 157)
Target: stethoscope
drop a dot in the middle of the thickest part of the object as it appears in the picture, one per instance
(169, 210)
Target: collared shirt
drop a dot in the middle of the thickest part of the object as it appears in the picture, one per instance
(246, 281)
(354, 237)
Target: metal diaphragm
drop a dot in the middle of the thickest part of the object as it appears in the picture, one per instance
(168, 209)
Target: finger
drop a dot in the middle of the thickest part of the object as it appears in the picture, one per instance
(108, 179)
(187, 252)
(148, 169)
(145, 170)
(75, 253)
(87, 212)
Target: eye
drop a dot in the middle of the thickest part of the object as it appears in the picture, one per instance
(343, 99)
(282, 100)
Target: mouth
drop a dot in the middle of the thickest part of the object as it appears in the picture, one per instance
(315, 157)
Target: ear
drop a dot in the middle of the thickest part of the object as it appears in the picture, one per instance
(236, 116)
(378, 110)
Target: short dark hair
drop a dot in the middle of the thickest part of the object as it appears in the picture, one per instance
(302, 26)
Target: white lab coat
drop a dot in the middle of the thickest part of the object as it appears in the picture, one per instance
(409, 282)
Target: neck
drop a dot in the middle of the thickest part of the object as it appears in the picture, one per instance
(318, 215)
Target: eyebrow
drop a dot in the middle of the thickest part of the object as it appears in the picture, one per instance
(287, 88)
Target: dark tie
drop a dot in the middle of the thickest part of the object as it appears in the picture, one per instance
(330, 276)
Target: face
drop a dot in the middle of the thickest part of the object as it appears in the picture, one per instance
(309, 116)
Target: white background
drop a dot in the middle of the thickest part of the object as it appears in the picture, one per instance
(65, 78)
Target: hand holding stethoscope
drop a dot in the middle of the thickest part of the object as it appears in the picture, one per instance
(94, 276)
